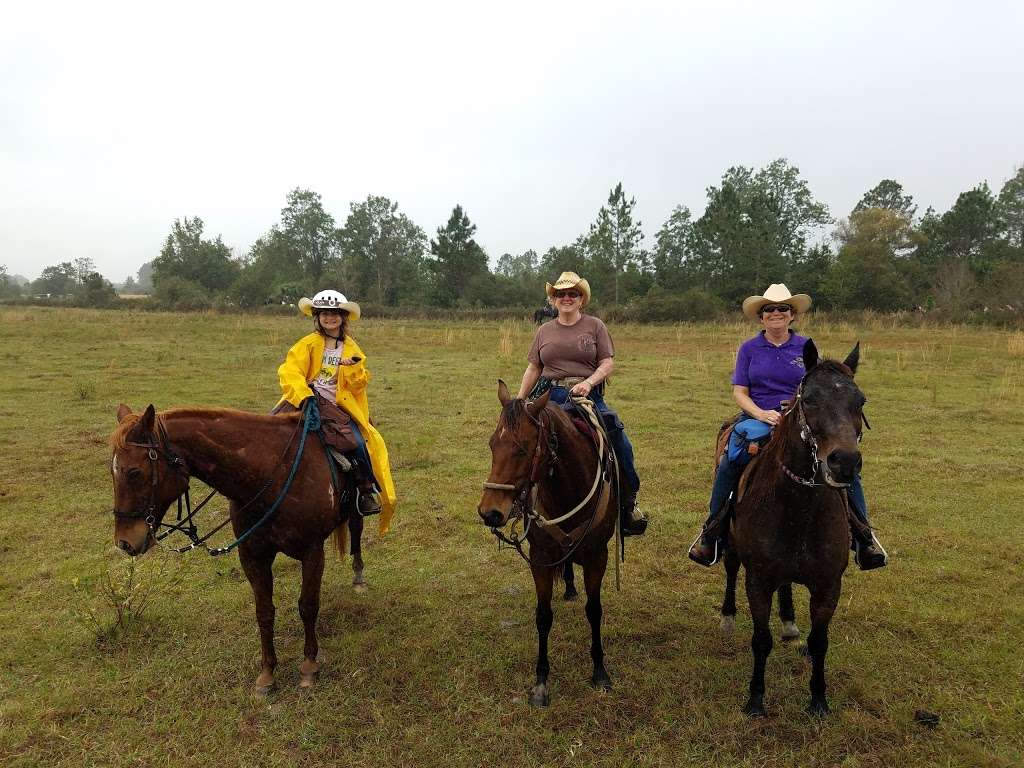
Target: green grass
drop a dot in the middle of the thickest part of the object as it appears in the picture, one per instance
(433, 665)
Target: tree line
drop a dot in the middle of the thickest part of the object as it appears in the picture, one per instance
(759, 226)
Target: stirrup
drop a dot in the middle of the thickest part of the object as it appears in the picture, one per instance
(371, 506)
(878, 544)
(716, 556)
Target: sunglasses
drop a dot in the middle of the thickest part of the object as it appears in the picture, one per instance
(776, 308)
(567, 294)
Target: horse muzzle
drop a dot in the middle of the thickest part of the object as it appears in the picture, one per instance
(492, 517)
(133, 538)
(843, 467)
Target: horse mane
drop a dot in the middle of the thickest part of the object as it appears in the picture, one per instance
(762, 482)
(119, 439)
(512, 414)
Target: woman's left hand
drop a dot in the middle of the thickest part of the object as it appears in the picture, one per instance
(582, 389)
(348, 361)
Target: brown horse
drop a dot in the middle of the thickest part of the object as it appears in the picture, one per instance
(791, 519)
(247, 458)
(542, 468)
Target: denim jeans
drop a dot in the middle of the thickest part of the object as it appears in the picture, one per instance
(728, 474)
(616, 434)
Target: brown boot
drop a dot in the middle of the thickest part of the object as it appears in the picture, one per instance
(708, 547)
(869, 553)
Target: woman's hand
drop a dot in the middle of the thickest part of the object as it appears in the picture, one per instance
(583, 389)
(770, 417)
(349, 360)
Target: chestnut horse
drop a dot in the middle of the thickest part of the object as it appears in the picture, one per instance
(542, 468)
(246, 457)
(791, 519)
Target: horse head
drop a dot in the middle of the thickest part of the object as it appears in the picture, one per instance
(830, 411)
(147, 478)
(516, 454)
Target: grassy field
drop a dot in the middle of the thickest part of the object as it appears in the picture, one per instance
(432, 666)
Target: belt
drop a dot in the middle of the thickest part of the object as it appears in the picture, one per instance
(571, 381)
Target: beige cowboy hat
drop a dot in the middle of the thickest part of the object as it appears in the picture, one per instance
(777, 293)
(328, 300)
(568, 280)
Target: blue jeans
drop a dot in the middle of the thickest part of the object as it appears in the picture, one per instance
(616, 434)
(728, 474)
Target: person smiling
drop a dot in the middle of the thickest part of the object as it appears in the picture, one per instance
(572, 355)
(769, 368)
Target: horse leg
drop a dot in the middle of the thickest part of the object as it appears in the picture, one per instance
(309, 608)
(570, 582)
(593, 574)
(823, 605)
(760, 600)
(732, 567)
(355, 535)
(259, 571)
(543, 579)
(790, 631)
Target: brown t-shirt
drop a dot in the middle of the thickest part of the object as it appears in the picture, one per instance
(570, 350)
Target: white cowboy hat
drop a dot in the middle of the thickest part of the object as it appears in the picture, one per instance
(777, 293)
(328, 300)
(568, 280)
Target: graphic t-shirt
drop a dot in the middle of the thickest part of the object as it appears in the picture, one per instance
(570, 350)
(771, 373)
(326, 380)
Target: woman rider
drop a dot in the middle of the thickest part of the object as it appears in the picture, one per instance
(769, 368)
(572, 355)
(329, 366)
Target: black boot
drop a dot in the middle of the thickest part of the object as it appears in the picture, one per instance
(632, 520)
(708, 547)
(368, 502)
(869, 553)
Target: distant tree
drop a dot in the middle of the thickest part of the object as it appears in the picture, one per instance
(614, 243)
(270, 272)
(186, 255)
(310, 233)
(968, 231)
(867, 271)
(382, 251)
(459, 265)
(672, 258)
(129, 285)
(811, 270)
(96, 291)
(9, 289)
(83, 268)
(563, 258)
(145, 275)
(888, 194)
(518, 279)
(56, 280)
(1011, 212)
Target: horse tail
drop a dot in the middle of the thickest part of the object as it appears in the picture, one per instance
(340, 538)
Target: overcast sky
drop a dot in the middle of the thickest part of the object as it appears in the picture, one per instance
(116, 119)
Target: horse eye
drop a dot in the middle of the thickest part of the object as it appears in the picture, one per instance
(134, 474)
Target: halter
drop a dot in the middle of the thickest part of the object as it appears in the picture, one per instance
(807, 436)
(526, 491)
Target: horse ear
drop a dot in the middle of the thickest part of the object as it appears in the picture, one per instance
(853, 358)
(538, 405)
(145, 425)
(810, 355)
(503, 395)
(122, 411)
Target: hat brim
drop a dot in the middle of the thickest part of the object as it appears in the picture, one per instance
(583, 286)
(800, 303)
(306, 307)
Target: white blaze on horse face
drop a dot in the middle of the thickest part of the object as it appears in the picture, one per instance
(113, 466)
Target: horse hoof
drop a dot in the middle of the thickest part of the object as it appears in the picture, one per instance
(804, 651)
(539, 696)
(754, 709)
(818, 708)
(570, 596)
(361, 588)
(309, 671)
(790, 631)
(261, 692)
(601, 683)
(727, 625)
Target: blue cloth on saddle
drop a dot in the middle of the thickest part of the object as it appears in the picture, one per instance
(743, 434)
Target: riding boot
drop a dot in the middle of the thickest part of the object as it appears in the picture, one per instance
(868, 551)
(709, 546)
(632, 520)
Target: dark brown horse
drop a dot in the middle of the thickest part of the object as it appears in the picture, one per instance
(791, 519)
(247, 458)
(543, 468)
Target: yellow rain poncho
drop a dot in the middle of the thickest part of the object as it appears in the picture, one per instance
(301, 366)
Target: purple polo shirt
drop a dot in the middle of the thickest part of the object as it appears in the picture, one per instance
(771, 373)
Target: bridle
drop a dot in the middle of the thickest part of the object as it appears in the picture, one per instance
(523, 505)
(807, 436)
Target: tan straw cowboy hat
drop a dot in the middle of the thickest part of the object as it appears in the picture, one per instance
(568, 280)
(777, 293)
